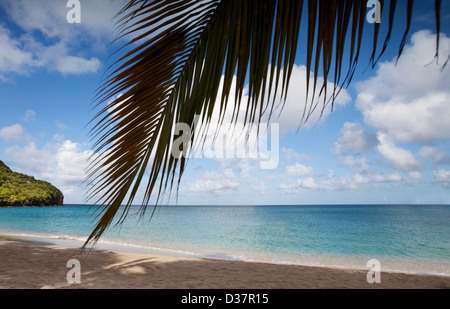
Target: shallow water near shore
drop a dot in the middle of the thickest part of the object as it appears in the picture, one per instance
(404, 238)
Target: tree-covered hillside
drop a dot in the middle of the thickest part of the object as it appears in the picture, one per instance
(18, 189)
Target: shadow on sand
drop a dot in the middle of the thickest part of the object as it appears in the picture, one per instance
(31, 266)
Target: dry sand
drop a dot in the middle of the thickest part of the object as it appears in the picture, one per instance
(35, 266)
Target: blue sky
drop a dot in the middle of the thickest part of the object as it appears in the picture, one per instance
(387, 140)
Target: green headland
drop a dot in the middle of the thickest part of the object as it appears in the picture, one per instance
(18, 189)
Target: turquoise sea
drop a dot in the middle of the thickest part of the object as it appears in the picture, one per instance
(405, 238)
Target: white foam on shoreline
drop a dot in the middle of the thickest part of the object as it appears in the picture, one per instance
(435, 268)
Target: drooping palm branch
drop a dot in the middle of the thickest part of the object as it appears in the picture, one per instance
(179, 52)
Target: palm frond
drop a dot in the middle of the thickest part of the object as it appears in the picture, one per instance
(172, 71)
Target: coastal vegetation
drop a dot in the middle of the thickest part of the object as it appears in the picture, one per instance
(18, 189)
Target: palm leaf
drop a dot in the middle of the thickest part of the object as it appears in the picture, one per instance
(172, 70)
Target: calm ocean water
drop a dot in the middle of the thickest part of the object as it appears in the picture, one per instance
(407, 238)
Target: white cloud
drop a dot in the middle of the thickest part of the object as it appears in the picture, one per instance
(359, 179)
(113, 110)
(77, 65)
(400, 158)
(243, 166)
(299, 185)
(236, 141)
(298, 170)
(358, 165)
(30, 158)
(12, 57)
(421, 120)
(290, 154)
(435, 155)
(12, 133)
(49, 17)
(290, 116)
(58, 57)
(63, 164)
(215, 182)
(71, 165)
(50, 41)
(332, 183)
(443, 177)
(354, 140)
(415, 177)
(409, 102)
(24, 55)
(307, 183)
(30, 115)
(387, 178)
(252, 146)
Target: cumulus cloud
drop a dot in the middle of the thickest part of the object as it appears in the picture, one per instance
(333, 183)
(435, 155)
(51, 42)
(299, 185)
(25, 55)
(215, 182)
(76, 65)
(50, 17)
(298, 170)
(30, 158)
(443, 177)
(399, 157)
(354, 139)
(409, 102)
(290, 154)
(12, 133)
(406, 103)
(62, 163)
(290, 114)
(12, 57)
(33, 55)
(239, 142)
(414, 177)
(71, 164)
(387, 178)
(359, 179)
(358, 165)
(233, 139)
(242, 166)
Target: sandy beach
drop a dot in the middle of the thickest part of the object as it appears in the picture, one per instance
(30, 265)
